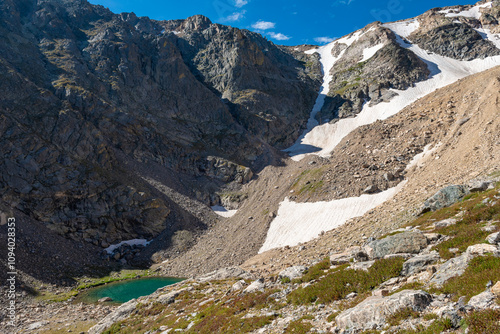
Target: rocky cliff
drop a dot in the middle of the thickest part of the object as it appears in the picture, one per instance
(87, 94)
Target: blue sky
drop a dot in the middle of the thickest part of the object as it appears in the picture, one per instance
(288, 22)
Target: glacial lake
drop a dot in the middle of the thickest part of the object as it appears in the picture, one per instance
(124, 291)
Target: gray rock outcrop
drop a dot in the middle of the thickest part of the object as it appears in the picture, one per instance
(119, 314)
(406, 242)
(373, 311)
(419, 263)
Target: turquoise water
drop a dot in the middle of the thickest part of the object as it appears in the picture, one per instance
(124, 291)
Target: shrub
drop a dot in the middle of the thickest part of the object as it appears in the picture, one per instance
(338, 284)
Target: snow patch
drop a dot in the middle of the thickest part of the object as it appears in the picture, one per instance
(302, 222)
(133, 242)
(403, 28)
(370, 52)
(418, 160)
(488, 35)
(472, 12)
(222, 211)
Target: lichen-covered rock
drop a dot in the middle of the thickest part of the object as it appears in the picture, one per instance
(483, 300)
(493, 238)
(483, 249)
(255, 286)
(407, 242)
(445, 197)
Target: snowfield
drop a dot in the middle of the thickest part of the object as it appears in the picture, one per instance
(302, 222)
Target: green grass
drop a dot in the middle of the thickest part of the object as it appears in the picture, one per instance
(467, 231)
(338, 284)
(474, 279)
(486, 321)
(437, 327)
(314, 272)
(332, 316)
(298, 327)
(397, 317)
(307, 181)
(87, 282)
(409, 286)
(219, 316)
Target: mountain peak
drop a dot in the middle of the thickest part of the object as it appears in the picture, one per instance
(196, 22)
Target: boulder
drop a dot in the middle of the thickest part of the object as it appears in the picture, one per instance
(362, 265)
(225, 273)
(119, 314)
(451, 268)
(479, 185)
(493, 238)
(495, 289)
(37, 325)
(293, 272)
(419, 263)
(257, 285)
(238, 285)
(483, 300)
(482, 249)
(445, 223)
(169, 298)
(105, 299)
(373, 311)
(408, 242)
(445, 197)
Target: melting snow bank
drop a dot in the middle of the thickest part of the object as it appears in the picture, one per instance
(474, 12)
(222, 211)
(132, 242)
(444, 71)
(302, 222)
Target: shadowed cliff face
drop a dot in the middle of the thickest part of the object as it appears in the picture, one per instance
(85, 92)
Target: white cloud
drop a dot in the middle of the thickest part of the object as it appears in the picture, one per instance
(240, 3)
(263, 25)
(279, 36)
(236, 16)
(324, 40)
